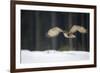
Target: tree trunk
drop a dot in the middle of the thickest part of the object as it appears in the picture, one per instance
(70, 25)
(83, 40)
(53, 23)
(37, 31)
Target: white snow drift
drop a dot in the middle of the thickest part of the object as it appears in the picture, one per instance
(52, 56)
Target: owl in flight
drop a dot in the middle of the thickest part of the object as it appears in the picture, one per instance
(55, 31)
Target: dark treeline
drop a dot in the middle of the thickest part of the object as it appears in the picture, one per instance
(35, 24)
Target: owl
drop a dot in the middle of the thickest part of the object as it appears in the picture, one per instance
(55, 31)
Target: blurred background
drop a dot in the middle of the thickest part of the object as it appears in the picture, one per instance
(35, 25)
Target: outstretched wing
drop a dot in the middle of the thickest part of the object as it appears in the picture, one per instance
(53, 32)
(76, 28)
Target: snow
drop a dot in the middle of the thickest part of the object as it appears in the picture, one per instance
(50, 56)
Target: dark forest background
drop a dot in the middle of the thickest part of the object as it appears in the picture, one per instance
(35, 24)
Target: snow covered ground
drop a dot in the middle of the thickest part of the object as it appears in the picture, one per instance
(52, 56)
